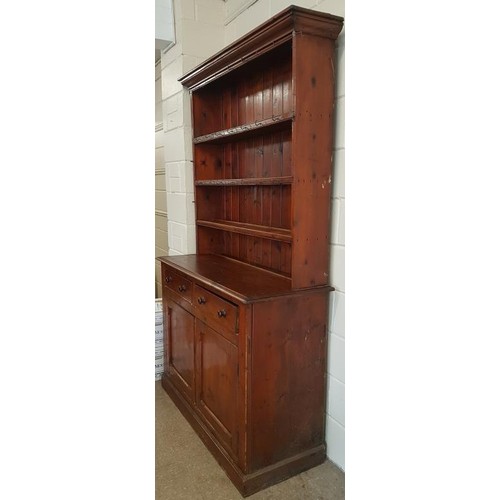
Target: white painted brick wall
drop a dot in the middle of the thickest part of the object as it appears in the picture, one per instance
(336, 357)
(336, 7)
(339, 140)
(180, 177)
(337, 324)
(335, 439)
(208, 12)
(177, 234)
(176, 207)
(184, 9)
(200, 39)
(248, 20)
(336, 403)
(160, 201)
(199, 34)
(178, 144)
(169, 78)
(337, 267)
(340, 81)
(339, 174)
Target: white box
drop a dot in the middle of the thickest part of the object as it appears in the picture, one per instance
(159, 362)
(158, 320)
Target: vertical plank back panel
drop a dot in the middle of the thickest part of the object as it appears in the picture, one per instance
(262, 252)
(242, 102)
(207, 111)
(210, 203)
(258, 97)
(287, 152)
(234, 105)
(267, 93)
(286, 77)
(209, 161)
(210, 241)
(226, 108)
(277, 92)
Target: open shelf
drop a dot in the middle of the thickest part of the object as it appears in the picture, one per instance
(262, 143)
(255, 181)
(243, 131)
(273, 233)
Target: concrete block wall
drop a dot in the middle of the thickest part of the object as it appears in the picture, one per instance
(199, 34)
(335, 418)
(244, 15)
(161, 235)
(203, 27)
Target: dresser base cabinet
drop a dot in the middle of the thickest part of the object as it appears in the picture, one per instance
(251, 383)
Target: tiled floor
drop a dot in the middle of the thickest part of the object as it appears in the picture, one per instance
(185, 469)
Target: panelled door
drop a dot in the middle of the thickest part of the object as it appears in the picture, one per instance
(217, 382)
(180, 352)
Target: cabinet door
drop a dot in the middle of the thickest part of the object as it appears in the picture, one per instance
(180, 352)
(217, 382)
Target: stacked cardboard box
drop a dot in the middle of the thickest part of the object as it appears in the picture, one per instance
(158, 339)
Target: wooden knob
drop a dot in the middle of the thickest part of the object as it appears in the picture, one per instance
(221, 313)
(202, 300)
(168, 279)
(182, 288)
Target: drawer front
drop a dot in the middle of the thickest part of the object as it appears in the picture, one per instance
(178, 284)
(215, 311)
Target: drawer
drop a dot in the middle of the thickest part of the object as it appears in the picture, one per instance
(215, 310)
(178, 284)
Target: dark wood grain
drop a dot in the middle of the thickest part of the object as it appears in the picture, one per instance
(230, 278)
(216, 391)
(179, 285)
(209, 161)
(207, 115)
(274, 233)
(217, 312)
(288, 373)
(240, 415)
(245, 317)
(180, 335)
(251, 181)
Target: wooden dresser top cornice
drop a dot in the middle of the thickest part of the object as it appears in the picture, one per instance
(277, 30)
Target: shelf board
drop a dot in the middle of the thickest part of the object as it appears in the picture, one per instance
(233, 279)
(253, 181)
(273, 233)
(269, 125)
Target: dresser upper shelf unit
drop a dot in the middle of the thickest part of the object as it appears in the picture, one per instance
(262, 114)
